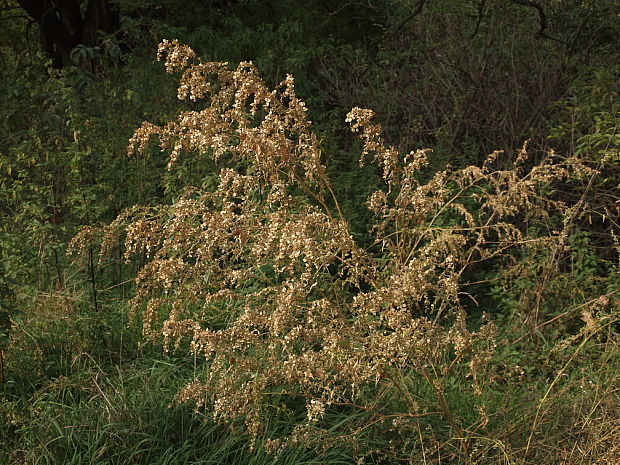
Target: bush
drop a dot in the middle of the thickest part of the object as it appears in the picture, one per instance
(258, 274)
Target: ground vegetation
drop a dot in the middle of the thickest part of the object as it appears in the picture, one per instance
(267, 232)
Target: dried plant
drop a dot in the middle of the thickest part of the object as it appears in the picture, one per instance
(262, 277)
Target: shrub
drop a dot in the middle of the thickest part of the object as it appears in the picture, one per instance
(260, 276)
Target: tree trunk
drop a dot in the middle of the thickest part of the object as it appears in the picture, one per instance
(64, 25)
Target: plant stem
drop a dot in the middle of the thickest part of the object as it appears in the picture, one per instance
(443, 404)
(91, 270)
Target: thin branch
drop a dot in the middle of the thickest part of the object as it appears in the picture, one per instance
(542, 19)
(340, 9)
(4, 18)
(8, 7)
(481, 6)
(562, 315)
(414, 13)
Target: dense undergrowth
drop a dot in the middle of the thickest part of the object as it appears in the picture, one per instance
(242, 290)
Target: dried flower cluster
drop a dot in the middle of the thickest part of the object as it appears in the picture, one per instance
(262, 277)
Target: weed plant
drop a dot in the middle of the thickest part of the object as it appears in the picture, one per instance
(304, 339)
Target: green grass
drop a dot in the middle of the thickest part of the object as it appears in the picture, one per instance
(99, 395)
(122, 414)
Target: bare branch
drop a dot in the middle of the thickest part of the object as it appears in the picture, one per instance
(481, 6)
(5, 18)
(542, 19)
(414, 13)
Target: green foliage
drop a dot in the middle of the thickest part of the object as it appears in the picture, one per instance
(589, 115)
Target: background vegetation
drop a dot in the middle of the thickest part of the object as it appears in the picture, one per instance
(79, 381)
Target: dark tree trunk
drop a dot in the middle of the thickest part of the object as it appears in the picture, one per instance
(64, 25)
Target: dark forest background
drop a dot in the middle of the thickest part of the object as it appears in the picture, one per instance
(465, 78)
